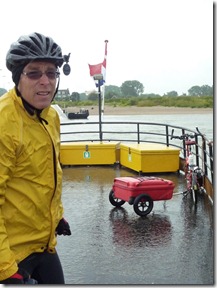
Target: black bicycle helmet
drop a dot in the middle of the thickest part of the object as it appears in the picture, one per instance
(33, 47)
(30, 48)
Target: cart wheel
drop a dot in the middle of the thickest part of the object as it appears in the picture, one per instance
(115, 201)
(143, 204)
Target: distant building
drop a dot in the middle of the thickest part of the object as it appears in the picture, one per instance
(63, 93)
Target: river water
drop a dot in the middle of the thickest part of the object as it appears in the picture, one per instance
(203, 121)
(174, 244)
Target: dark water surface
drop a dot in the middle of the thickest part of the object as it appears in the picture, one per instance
(172, 245)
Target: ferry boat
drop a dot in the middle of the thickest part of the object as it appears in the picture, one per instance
(82, 114)
(92, 155)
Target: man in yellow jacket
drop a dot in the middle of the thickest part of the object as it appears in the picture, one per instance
(31, 212)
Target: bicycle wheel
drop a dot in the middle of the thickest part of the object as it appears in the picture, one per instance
(194, 195)
(194, 187)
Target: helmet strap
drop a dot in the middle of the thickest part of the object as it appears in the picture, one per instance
(57, 88)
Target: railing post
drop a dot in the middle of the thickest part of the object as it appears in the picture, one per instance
(138, 134)
(183, 144)
(204, 156)
(211, 159)
(197, 151)
(167, 135)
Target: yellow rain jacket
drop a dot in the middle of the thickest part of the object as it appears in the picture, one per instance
(30, 182)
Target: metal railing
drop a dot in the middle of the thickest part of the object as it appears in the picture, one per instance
(141, 132)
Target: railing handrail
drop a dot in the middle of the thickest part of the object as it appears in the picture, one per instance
(204, 147)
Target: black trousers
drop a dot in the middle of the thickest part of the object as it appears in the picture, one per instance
(44, 267)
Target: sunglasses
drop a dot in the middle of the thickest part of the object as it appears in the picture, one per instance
(36, 75)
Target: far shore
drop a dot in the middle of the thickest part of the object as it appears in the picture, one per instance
(133, 110)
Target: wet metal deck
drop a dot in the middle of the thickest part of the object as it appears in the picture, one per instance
(172, 245)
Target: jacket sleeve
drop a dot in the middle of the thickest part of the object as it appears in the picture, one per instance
(8, 265)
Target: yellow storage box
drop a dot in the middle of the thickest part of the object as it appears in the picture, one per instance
(89, 153)
(149, 158)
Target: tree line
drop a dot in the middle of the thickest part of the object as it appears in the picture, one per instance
(131, 93)
(133, 88)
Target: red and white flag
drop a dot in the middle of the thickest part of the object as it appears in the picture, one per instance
(100, 68)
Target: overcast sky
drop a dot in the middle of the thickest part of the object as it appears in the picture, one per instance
(164, 44)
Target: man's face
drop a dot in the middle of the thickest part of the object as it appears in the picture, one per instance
(38, 91)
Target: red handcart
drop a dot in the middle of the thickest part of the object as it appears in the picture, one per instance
(140, 192)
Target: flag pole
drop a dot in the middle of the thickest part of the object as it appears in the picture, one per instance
(103, 98)
(98, 72)
(103, 88)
